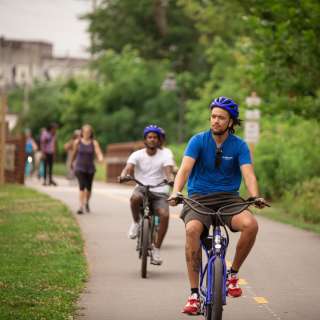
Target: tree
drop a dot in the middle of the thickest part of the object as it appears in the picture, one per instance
(286, 36)
(158, 29)
(46, 105)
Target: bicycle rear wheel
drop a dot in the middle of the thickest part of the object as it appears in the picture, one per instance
(145, 243)
(217, 290)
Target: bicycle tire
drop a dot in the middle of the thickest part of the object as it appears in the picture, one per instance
(208, 311)
(145, 247)
(217, 290)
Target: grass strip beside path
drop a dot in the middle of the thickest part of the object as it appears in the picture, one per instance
(42, 262)
(279, 214)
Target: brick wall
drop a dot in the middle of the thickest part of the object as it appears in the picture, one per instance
(14, 160)
(117, 155)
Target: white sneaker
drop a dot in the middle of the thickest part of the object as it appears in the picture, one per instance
(133, 230)
(155, 257)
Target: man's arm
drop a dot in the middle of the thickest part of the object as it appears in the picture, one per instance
(251, 183)
(168, 171)
(128, 170)
(250, 180)
(181, 177)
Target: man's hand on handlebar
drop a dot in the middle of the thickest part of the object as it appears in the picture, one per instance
(126, 178)
(259, 202)
(175, 199)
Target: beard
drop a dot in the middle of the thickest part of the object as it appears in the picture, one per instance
(151, 146)
(220, 132)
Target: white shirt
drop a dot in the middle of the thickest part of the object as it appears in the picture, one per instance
(170, 154)
(150, 169)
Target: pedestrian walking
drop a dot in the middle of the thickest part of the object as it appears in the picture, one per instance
(48, 148)
(84, 151)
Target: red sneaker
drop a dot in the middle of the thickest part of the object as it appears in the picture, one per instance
(233, 288)
(193, 305)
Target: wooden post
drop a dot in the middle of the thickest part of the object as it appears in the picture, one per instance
(3, 106)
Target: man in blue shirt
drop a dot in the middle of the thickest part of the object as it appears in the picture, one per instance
(214, 163)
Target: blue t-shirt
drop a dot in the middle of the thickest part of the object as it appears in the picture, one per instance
(205, 178)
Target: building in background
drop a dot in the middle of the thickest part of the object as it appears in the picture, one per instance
(23, 62)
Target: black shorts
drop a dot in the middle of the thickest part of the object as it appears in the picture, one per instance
(85, 180)
(214, 201)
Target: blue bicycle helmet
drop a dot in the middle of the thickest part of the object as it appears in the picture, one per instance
(152, 128)
(226, 104)
(163, 133)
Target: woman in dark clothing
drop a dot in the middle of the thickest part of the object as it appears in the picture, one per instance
(84, 152)
(48, 148)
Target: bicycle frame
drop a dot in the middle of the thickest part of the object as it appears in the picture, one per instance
(145, 213)
(218, 249)
(147, 224)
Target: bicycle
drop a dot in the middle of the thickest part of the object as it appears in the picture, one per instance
(213, 274)
(148, 224)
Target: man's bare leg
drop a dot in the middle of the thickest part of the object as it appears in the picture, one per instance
(135, 203)
(194, 230)
(246, 223)
(163, 227)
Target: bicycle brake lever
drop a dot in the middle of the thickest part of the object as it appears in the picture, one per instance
(125, 179)
(179, 197)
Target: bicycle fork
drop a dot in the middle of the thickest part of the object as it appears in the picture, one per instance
(216, 252)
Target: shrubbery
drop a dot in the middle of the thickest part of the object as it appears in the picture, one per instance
(303, 201)
(178, 150)
(287, 154)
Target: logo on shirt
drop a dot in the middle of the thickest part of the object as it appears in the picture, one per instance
(227, 158)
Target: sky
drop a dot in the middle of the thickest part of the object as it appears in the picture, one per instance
(54, 21)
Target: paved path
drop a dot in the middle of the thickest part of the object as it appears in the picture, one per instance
(280, 277)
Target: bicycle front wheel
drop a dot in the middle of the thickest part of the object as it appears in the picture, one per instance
(145, 243)
(217, 290)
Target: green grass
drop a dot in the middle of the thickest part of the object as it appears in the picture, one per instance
(42, 263)
(278, 213)
(59, 169)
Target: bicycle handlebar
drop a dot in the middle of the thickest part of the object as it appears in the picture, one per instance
(130, 178)
(209, 212)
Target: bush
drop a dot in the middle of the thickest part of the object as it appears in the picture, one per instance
(287, 154)
(303, 201)
(178, 150)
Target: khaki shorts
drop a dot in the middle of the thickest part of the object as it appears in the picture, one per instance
(158, 200)
(213, 201)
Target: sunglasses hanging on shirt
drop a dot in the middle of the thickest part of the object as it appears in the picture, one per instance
(218, 157)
